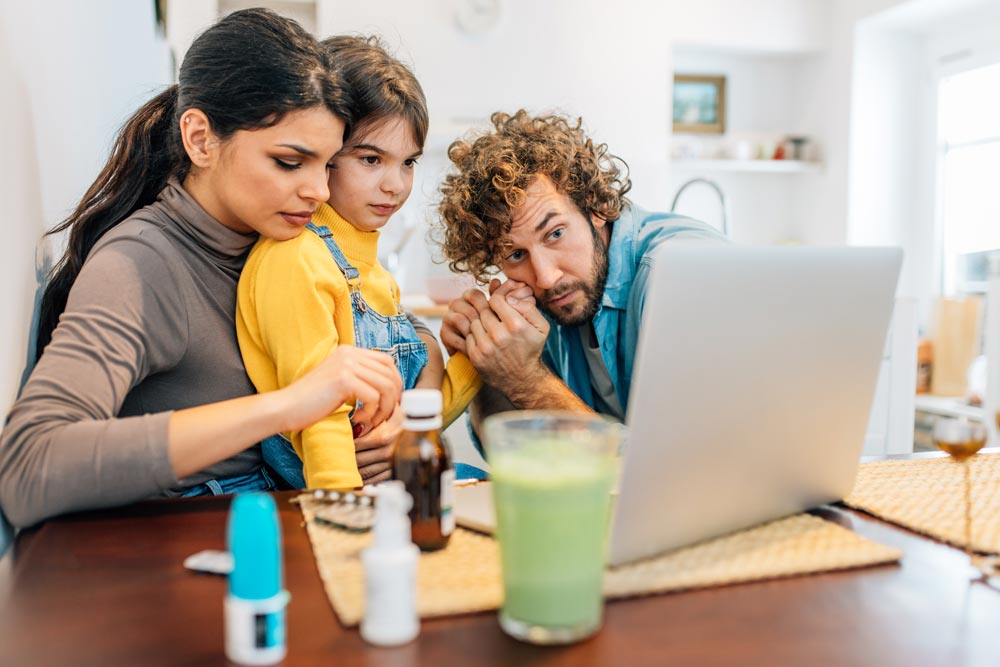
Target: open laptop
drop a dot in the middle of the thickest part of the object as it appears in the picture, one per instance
(751, 391)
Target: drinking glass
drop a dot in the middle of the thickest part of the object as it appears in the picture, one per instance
(961, 439)
(552, 475)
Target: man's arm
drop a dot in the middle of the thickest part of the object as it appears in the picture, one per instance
(489, 401)
(504, 336)
(552, 394)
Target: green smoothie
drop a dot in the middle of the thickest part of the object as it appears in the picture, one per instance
(552, 511)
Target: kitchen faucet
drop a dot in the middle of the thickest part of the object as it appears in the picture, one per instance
(726, 214)
(392, 259)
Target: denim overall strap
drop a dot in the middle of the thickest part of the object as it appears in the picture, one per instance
(392, 334)
(352, 275)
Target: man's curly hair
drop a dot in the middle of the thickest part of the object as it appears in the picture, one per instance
(492, 171)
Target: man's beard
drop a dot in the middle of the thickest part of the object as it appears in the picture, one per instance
(593, 290)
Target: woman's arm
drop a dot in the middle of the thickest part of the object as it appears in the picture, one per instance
(63, 447)
(204, 435)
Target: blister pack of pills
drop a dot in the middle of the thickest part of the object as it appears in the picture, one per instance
(353, 511)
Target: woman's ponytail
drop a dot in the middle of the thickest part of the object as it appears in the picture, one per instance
(245, 72)
(145, 154)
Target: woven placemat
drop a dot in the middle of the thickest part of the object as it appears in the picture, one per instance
(465, 576)
(928, 496)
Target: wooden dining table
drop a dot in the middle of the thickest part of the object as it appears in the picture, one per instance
(109, 588)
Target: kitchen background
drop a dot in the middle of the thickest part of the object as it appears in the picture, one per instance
(899, 102)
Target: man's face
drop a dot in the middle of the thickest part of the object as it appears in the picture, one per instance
(558, 253)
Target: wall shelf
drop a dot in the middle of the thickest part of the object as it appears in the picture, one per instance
(947, 406)
(759, 166)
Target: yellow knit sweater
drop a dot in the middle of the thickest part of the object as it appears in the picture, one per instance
(293, 306)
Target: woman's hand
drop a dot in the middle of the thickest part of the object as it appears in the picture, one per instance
(349, 373)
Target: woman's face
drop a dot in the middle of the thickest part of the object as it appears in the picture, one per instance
(271, 180)
(373, 176)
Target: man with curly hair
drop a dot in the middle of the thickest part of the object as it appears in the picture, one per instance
(537, 199)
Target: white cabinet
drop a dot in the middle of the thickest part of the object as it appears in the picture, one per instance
(891, 424)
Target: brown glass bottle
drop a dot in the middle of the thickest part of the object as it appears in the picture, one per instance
(420, 460)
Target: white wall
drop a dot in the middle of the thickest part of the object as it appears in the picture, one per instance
(886, 118)
(608, 62)
(540, 56)
(901, 54)
(97, 63)
(185, 20)
(71, 73)
(20, 191)
(775, 26)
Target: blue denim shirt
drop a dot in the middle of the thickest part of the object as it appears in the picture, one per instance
(634, 237)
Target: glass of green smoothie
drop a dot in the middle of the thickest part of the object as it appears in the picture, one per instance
(552, 475)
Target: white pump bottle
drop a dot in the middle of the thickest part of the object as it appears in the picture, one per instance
(390, 565)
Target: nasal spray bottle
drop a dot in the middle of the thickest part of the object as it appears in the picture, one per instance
(255, 606)
(390, 565)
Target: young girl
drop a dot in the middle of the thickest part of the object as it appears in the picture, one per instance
(325, 289)
(140, 389)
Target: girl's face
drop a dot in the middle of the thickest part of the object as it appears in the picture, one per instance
(270, 180)
(373, 176)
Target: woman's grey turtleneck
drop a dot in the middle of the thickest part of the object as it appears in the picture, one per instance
(148, 329)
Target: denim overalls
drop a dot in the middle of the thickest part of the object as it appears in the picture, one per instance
(392, 334)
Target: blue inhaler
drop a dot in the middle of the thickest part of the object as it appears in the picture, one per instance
(255, 605)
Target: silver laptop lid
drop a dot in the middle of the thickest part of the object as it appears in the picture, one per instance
(752, 387)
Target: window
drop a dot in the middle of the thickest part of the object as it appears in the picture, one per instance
(968, 175)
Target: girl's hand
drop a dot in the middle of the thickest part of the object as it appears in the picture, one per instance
(347, 374)
(373, 449)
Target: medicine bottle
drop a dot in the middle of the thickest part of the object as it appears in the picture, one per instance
(255, 605)
(421, 461)
(390, 565)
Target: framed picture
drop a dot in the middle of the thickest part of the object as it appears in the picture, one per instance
(699, 103)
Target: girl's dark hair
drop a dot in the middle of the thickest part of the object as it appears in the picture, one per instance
(381, 86)
(245, 72)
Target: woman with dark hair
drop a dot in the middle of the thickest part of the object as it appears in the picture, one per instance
(139, 388)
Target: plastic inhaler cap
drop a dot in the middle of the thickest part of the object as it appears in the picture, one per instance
(255, 543)
(421, 402)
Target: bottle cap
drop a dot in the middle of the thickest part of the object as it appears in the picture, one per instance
(421, 402)
(255, 543)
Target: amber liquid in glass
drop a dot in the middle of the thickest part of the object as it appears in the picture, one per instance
(960, 450)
